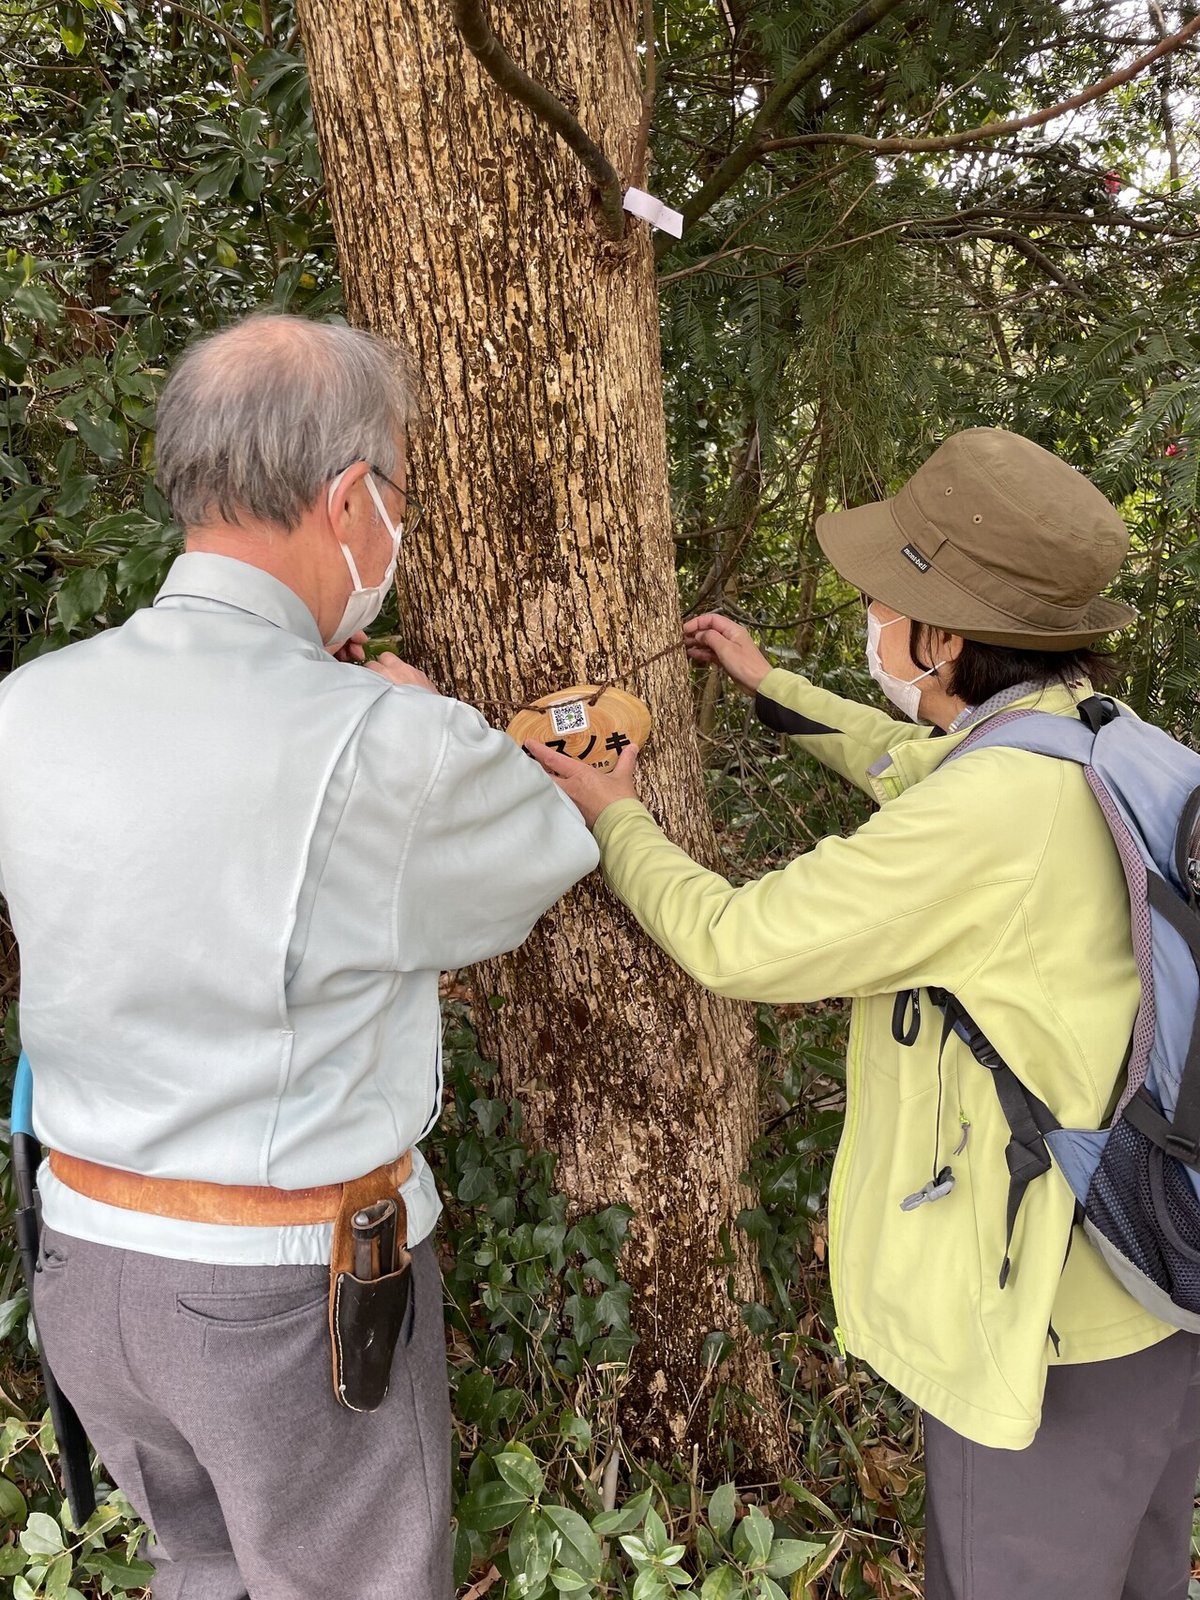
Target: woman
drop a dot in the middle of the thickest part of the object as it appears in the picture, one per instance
(1062, 1421)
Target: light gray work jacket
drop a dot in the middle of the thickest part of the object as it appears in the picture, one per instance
(235, 868)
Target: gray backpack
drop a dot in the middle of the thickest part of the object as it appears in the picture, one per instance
(1137, 1181)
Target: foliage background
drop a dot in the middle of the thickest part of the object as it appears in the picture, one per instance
(825, 322)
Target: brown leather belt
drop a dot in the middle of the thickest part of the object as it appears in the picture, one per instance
(227, 1204)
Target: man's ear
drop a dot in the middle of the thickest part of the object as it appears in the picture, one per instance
(345, 497)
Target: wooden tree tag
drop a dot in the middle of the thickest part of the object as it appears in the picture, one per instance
(594, 730)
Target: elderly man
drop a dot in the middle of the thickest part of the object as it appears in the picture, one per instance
(235, 864)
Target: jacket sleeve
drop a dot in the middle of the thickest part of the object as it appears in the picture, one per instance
(842, 734)
(494, 843)
(916, 897)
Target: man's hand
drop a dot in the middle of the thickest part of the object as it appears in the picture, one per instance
(591, 791)
(715, 638)
(354, 651)
(390, 666)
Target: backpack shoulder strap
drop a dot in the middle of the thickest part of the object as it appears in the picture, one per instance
(1043, 732)
(1029, 1119)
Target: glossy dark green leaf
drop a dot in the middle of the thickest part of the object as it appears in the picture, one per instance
(81, 596)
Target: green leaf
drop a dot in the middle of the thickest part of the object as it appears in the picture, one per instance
(522, 1474)
(11, 1312)
(578, 1548)
(531, 1552)
(767, 1589)
(81, 596)
(656, 1534)
(650, 1586)
(721, 1584)
(121, 1573)
(74, 495)
(789, 1555)
(569, 1582)
(752, 1541)
(100, 434)
(576, 1430)
(757, 1317)
(12, 1559)
(72, 29)
(58, 1579)
(142, 569)
(722, 1509)
(718, 1347)
(36, 303)
(492, 1505)
(42, 1536)
(624, 1518)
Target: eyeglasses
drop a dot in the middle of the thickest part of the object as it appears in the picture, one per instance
(414, 511)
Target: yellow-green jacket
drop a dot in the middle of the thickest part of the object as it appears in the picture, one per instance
(993, 877)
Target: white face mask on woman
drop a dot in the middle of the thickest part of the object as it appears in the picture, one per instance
(902, 692)
(366, 601)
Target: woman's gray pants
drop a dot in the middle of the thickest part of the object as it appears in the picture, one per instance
(206, 1392)
(1099, 1507)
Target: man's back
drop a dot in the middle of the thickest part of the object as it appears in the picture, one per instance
(218, 847)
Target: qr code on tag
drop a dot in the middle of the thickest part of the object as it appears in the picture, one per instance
(569, 717)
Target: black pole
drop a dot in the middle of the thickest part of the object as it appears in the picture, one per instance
(73, 1455)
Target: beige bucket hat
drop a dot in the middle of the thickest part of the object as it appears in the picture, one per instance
(992, 538)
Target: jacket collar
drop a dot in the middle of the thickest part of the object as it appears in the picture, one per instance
(199, 575)
(910, 760)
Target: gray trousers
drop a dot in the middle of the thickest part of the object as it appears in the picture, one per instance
(206, 1392)
(1099, 1507)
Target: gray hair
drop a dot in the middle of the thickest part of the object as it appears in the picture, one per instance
(256, 419)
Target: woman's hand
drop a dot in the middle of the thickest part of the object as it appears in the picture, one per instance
(591, 791)
(713, 638)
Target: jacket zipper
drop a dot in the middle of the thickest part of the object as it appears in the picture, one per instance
(842, 1163)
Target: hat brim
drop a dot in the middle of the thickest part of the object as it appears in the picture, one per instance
(865, 545)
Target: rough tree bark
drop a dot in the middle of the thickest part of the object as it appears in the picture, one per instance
(470, 233)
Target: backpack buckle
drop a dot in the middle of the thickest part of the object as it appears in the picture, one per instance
(1185, 1150)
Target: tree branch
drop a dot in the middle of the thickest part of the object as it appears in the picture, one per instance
(487, 49)
(1026, 247)
(992, 130)
(45, 200)
(641, 148)
(860, 21)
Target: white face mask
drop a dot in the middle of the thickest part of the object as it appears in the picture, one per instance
(902, 692)
(365, 602)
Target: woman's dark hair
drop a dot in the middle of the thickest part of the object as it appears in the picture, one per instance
(984, 670)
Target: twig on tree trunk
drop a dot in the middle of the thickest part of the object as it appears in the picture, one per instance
(993, 130)
(641, 148)
(492, 57)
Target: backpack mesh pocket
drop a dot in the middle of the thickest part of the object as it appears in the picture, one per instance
(1142, 1200)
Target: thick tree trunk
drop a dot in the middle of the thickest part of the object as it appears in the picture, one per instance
(470, 233)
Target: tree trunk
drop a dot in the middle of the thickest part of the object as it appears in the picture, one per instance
(469, 233)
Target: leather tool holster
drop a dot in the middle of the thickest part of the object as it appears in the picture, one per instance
(365, 1318)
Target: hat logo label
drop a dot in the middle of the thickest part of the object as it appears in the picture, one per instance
(911, 553)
